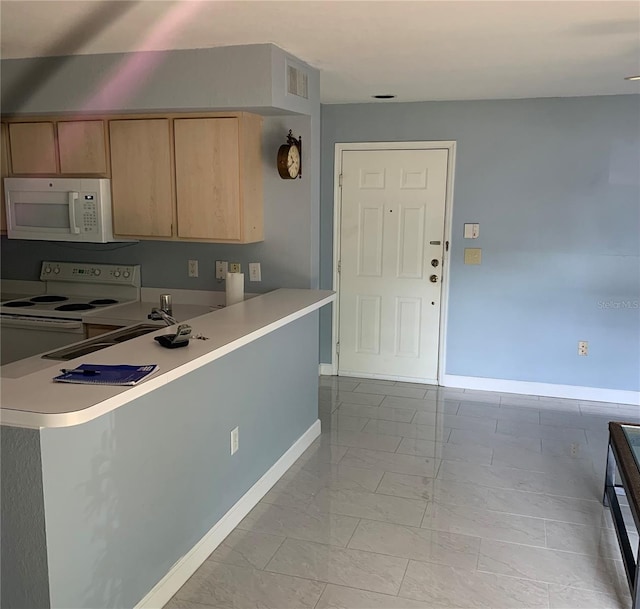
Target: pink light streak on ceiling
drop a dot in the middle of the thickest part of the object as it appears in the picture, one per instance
(136, 67)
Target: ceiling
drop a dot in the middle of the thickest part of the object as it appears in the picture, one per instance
(419, 51)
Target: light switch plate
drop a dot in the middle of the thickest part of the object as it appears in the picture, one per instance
(472, 255)
(471, 231)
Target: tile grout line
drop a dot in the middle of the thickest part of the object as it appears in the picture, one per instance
(546, 536)
(320, 595)
(339, 548)
(352, 534)
(404, 575)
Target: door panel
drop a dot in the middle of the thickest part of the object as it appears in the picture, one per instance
(411, 242)
(368, 324)
(370, 242)
(407, 320)
(392, 210)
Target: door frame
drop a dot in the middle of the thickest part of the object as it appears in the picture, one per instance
(450, 146)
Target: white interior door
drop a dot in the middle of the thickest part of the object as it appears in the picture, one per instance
(391, 236)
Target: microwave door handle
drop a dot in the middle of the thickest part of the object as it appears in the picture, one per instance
(73, 197)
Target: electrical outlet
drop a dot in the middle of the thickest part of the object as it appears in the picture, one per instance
(222, 268)
(234, 440)
(193, 268)
(583, 347)
(255, 274)
(234, 267)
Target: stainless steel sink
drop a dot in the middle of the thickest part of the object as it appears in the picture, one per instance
(101, 342)
(120, 336)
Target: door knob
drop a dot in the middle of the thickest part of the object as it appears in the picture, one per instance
(435, 262)
(433, 279)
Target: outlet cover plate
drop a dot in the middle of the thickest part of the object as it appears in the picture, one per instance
(255, 272)
(234, 440)
(222, 268)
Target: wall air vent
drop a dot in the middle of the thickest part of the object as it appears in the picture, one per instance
(297, 82)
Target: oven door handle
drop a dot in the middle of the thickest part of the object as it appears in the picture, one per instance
(31, 323)
(73, 197)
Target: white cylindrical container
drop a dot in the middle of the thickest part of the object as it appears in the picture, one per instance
(234, 288)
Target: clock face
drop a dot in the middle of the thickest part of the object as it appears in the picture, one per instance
(290, 158)
(293, 161)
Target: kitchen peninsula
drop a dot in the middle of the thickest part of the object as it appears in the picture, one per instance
(112, 497)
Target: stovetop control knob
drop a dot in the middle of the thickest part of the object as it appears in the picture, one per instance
(126, 274)
(56, 270)
(47, 269)
(96, 272)
(116, 273)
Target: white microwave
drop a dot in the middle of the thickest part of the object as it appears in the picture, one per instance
(59, 209)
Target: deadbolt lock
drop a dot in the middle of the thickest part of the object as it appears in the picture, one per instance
(433, 279)
(435, 262)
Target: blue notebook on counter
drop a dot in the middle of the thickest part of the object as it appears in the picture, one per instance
(103, 374)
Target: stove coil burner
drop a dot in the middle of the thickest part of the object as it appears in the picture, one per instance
(74, 307)
(19, 303)
(103, 301)
(48, 298)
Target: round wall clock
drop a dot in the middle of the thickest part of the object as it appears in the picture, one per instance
(290, 158)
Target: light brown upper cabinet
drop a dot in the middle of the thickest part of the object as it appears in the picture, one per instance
(79, 148)
(141, 177)
(218, 164)
(4, 172)
(82, 147)
(173, 176)
(33, 148)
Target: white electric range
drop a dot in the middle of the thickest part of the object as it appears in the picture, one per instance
(72, 293)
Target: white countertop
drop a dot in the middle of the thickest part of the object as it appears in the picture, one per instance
(122, 315)
(35, 401)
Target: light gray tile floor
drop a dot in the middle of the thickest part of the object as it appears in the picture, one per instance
(422, 497)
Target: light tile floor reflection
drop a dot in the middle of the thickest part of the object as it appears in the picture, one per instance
(419, 497)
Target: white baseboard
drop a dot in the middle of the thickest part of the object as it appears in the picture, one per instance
(326, 370)
(387, 377)
(591, 394)
(162, 592)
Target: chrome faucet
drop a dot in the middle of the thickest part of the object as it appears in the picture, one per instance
(157, 313)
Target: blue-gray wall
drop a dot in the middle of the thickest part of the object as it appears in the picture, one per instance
(555, 186)
(24, 582)
(248, 78)
(192, 79)
(128, 494)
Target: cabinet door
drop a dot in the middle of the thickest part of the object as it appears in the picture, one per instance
(141, 186)
(4, 172)
(33, 148)
(208, 178)
(82, 147)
